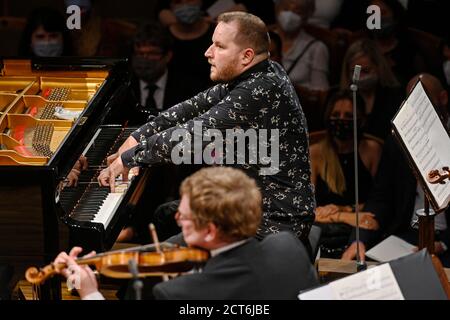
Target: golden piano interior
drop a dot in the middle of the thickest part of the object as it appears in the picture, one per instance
(38, 109)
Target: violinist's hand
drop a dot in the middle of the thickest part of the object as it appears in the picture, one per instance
(350, 253)
(79, 277)
(107, 176)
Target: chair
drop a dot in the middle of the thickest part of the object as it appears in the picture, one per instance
(314, 237)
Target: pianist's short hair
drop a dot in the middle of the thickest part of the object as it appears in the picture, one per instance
(253, 32)
(226, 197)
(155, 34)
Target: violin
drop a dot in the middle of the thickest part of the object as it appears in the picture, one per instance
(170, 260)
(438, 176)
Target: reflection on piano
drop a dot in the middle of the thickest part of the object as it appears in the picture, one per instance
(39, 216)
(91, 208)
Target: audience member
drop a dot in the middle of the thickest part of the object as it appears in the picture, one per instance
(377, 85)
(333, 173)
(304, 57)
(45, 35)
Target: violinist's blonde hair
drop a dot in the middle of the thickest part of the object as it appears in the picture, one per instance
(226, 197)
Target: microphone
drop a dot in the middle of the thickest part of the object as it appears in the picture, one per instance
(355, 78)
(360, 265)
(356, 73)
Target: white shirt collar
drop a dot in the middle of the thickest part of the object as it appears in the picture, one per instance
(159, 92)
(230, 246)
(161, 83)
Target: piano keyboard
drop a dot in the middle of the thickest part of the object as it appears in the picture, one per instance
(88, 202)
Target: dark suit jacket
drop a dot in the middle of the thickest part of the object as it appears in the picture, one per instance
(276, 268)
(177, 90)
(392, 198)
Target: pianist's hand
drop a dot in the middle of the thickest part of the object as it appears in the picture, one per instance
(80, 277)
(82, 163)
(107, 176)
(111, 158)
(72, 178)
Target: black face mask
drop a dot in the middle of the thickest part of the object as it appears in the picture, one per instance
(146, 69)
(341, 129)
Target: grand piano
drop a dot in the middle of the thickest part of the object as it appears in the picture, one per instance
(51, 112)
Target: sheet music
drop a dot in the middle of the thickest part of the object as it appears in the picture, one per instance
(389, 249)
(377, 283)
(425, 138)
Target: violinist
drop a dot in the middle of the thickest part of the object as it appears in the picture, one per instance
(220, 211)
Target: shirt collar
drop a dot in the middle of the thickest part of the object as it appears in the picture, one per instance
(160, 83)
(230, 246)
(259, 67)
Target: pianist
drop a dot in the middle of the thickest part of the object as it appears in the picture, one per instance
(253, 93)
(220, 211)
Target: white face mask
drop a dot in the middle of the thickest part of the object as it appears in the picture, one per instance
(47, 48)
(289, 21)
(446, 67)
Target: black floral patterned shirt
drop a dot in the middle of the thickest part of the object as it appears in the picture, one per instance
(260, 98)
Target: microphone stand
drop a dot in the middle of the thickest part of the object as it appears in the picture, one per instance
(137, 283)
(360, 265)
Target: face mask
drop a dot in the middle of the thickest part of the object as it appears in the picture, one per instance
(368, 82)
(387, 28)
(340, 129)
(47, 49)
(188, 13)
(146, 69)
(446, 67)
(289, 21)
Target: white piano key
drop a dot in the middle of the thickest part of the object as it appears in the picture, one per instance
(108, 208)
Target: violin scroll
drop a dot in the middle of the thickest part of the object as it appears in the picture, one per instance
(38, 276)
(438, 176)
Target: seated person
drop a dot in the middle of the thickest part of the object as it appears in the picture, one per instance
(220, 211)
(333, 175)
(395, 43)
(377, 85)
(45, 35)
(305, 58)
(192, 34)
(396, 195)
